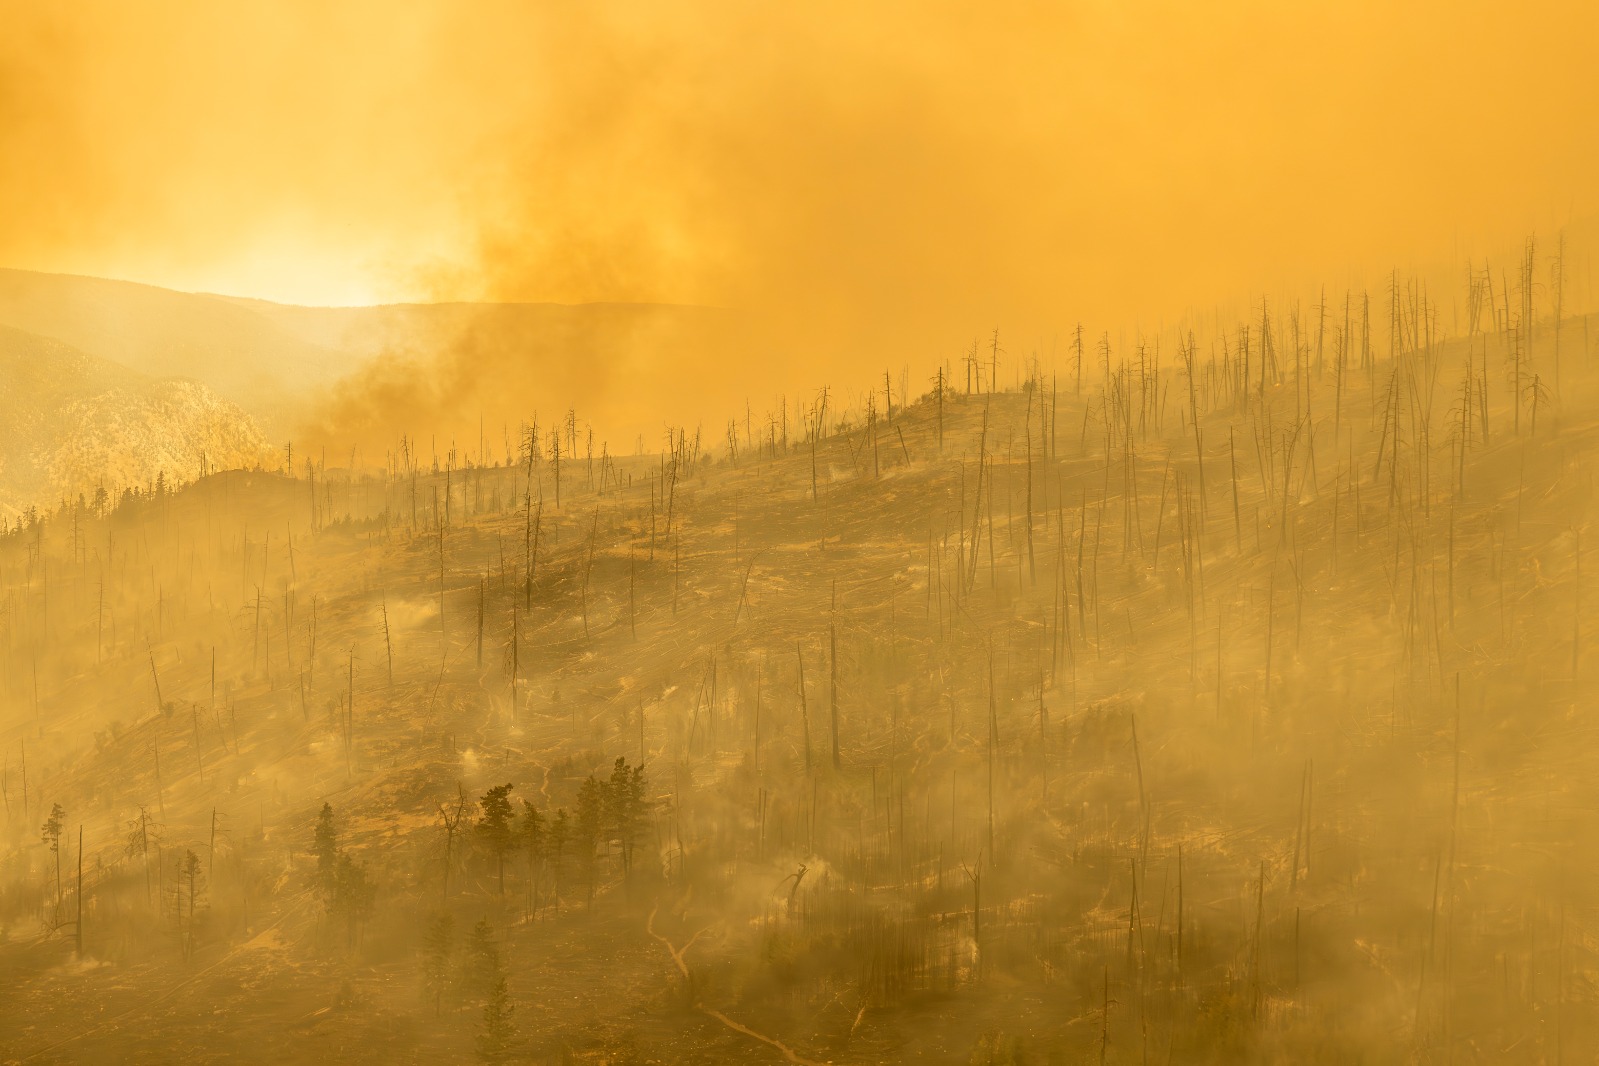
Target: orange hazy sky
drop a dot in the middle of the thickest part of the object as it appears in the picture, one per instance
(855, 165)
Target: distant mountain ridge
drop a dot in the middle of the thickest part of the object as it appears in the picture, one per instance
(75, 423)
(143, 379)
(239, 353)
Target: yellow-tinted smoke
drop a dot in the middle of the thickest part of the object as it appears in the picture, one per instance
(878, 183)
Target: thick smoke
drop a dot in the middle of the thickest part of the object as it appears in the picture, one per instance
(874, 186)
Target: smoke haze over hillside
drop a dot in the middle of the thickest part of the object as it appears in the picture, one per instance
(868, 185)
(997, 535)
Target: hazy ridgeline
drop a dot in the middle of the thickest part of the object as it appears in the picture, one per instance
(1229, 703)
